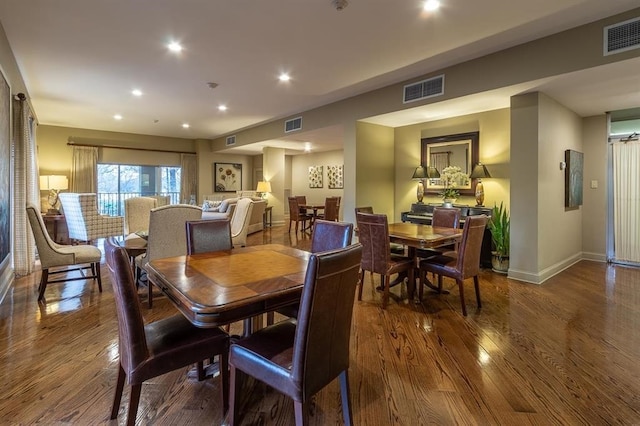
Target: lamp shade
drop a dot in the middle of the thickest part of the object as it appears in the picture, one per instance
(432, 173)
(263, 186)
(479, 172)
(419, 173)
(48, 182)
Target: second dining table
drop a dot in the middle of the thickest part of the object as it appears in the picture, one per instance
(218, 288)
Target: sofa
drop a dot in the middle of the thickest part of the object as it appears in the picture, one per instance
(224, 210)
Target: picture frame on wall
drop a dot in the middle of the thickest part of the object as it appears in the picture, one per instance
(315, 176)
(227, 177)
(5, 171)
(335, 177)
(573, 178)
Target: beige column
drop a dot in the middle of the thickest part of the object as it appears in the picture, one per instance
(273, 170)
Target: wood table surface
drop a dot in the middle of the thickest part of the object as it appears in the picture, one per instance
(213, 289)
(423, 236)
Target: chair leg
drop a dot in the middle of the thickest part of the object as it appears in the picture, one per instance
(200, 368)
(476, 283)
(134, 400)
(43, 283)
(150, 293)
(300, 408)
(270, 318)
(118, 395)
(344, 393)
(361, 281)
(461, 289)
(224, 378)
(96, 273)
(386, 280)
(234, 395)
(422, 275)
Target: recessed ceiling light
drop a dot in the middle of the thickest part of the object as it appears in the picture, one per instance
(117, 117)
(174, 46)
(222, 107)
(136, 92)
(307, 147)
(431, 5)
(185, 125)
(284, 77)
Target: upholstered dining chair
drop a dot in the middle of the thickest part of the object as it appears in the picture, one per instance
(296, 215)
(327, 235)
(136, 214)
(208, 235)
(331, 209)
(84, 222)
(240, 222)
(443, 217)
(460, 265)
(53, 255)
(373, 233)
(167, 236)
(300, 357)
(150, 350)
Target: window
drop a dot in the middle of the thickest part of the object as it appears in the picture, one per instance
(117, 182)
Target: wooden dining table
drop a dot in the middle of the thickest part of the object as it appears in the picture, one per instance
(314, 208)
(214, 289)
(418, 236)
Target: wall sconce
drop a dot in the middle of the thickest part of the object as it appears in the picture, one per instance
(479, 172)
(263, 188)
(54, 184)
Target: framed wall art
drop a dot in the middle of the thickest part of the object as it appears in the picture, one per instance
(335, 177)
(5, 170)
(315, 176)
(573, 178)
(228, 177)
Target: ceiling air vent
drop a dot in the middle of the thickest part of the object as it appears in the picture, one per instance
(293, 125)
(622, 36)
(424, 89)
(231, 140)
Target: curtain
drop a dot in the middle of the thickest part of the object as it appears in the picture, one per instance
(84, 169)
(25, 185)
(439, 160)
(626, 201)
(188, 178)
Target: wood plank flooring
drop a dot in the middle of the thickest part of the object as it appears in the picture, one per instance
(563, 353)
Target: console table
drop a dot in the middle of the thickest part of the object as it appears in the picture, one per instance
(422, 213)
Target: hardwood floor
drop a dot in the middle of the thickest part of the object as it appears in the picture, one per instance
(563, 353)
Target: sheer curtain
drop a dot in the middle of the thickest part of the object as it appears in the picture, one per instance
(188, 177)
(25, 185)
(626, 201)
(84, 169)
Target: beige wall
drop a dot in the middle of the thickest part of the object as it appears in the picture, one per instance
(493, 152)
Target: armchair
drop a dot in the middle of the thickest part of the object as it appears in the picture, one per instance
(83, 220)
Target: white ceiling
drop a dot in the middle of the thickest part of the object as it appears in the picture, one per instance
(80, 59)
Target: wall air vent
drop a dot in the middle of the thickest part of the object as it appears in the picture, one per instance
(622, 36)
(293, 125)
(424, 89)
(231, 140)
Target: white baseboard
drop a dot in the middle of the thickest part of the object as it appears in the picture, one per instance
(545, 274)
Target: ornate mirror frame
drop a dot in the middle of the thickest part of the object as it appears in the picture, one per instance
(464, 147)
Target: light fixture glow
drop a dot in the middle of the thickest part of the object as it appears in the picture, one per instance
(185, 125)
(222, 108)
(175, 47)
(117, 117)
(136, 92)
(284, 77)
(307, 147)
(431, 5)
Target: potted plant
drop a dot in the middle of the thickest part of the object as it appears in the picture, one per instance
(451, 177)
(499, 225)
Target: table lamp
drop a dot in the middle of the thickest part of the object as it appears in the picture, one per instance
(54, 184)
(479, 172)
(421, 173)
(263, 188)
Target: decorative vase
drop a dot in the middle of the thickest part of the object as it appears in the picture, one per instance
(448, 202)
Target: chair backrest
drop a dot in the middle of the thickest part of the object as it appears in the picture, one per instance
(367, 209)
(321, 346)
(329, 235)
(161, 200)
(137, 211)
(468, 264)
(294, 209)
(446, 217)
(208, 235)
(84, 222)
(167, 236)
(373, 234)
(132, 339)
(302, 199)
(331, 208)
(47, 248)
(240, 221)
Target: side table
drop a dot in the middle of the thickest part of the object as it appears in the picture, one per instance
(53, 219)
(266, 216)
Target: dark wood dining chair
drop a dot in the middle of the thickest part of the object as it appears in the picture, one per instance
(443, 217)
(296, 215)
(460, 265)
(300, 357)
(331, 209)
(373, 233)
(150, 350)
(204, 236)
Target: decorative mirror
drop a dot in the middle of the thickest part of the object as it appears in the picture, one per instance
(459, 150)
